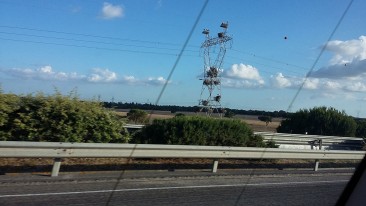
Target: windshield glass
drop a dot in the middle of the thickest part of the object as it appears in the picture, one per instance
(276, 75)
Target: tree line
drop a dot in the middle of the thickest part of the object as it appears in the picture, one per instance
(323, 121)
(316, 121)
(58, 118)
(175, 108)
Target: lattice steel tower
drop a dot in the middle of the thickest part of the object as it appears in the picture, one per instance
(210, 100)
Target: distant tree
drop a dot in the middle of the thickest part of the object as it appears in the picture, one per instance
(137, 115)
(175, 108)
(266, 119)
(361, 129)
(229, 114)
(197, 109)
(319, 121)
(180, 115)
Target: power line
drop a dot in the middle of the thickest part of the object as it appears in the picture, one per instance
(92, 47)
(91, 41)
(266, 65)
(132, 40)
(320, 54)
(89, 35)
(180, 54)
(298, 91)
(270, 59)
(121, 50)
(165, 85)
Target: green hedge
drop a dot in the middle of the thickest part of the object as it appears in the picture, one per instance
(319, 121)
(57, 118)
(198, 131)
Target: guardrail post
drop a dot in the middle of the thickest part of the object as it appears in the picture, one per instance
(320, 144)
(215, 164)
(56, 167)
(316, 165)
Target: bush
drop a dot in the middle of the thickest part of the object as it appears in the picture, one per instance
(319, 121)
(58, 118)
(266, 119)
(180, 115)
(137, 115)
(198, 131)
(229, 113)
(361, 128)
(8, 104)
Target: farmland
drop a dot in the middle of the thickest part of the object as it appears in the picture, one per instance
(251, 120)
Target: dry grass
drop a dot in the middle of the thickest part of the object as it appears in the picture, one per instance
(260, 126)
(251, 120)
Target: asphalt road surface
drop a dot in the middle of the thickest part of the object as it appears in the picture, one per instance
(175, 188)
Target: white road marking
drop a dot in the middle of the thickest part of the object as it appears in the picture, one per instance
(169, 188)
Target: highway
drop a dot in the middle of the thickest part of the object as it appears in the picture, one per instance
(228, 187)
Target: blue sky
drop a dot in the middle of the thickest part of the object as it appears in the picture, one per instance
(124, 50)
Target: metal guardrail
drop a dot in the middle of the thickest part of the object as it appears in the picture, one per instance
(314, 141)
(300, 141)
(306, 136)
(133, 126)
(60, 150)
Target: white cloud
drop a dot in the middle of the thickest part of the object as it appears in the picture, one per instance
(354, 69)
(347, 51)
(110, 11)
(311, 83)
(242, 76)
(356, 87)
(348, 61)
(280, 81)
(241, 71)
(156, 81)
(151, 81)
(129, 79)
(102, 75)
(97, 75)
(235, 83)
(346, 70)
(332, 85)
(43, 73)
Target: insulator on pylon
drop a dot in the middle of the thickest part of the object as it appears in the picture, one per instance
(206, 31)
(224, 25)
(204, 102)
(212, 72)
(207, 82)
(217, 98)
(216, 82)
(221, 34)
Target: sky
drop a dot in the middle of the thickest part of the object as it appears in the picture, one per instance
(124, 51)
